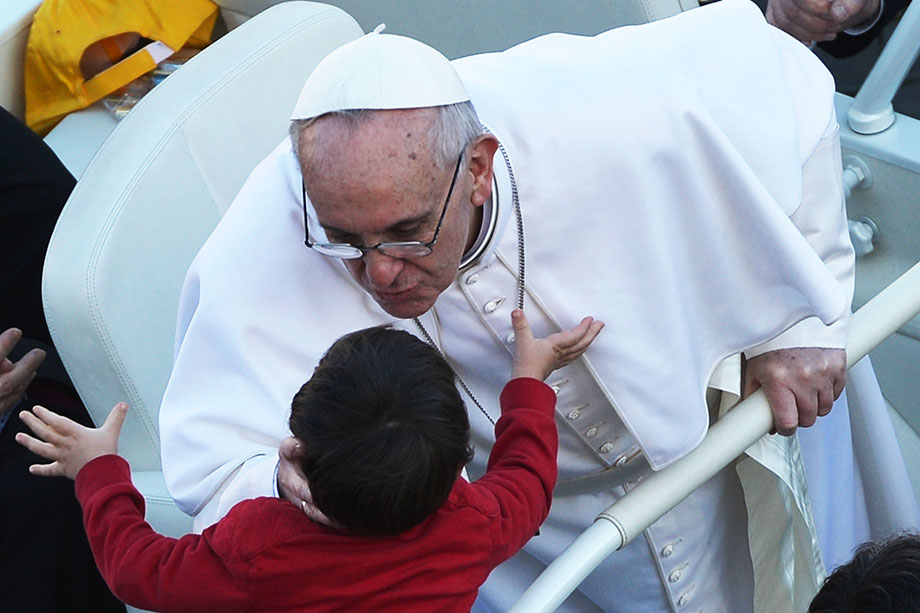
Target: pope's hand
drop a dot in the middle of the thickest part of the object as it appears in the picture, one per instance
(801, 383)
(819, 20)
(292, 483)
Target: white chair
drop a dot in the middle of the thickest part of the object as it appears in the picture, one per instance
(476, 26)
(148, 200)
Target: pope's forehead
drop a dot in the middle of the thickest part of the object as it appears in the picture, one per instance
(384, 158)
(374, 135)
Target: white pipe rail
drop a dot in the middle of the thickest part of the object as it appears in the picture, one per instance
(727, 439)
(871, 111)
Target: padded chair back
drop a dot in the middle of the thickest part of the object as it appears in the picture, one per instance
(476, 26)
(151, 196)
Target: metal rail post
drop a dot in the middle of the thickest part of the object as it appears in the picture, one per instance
(871, 111)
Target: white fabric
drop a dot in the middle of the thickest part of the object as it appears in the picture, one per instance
(692, 120)
(382, 72)
(660, 182)
(785, 554)
(856, 451)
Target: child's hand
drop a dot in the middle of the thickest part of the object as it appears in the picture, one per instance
(538, 357)
(69, 444)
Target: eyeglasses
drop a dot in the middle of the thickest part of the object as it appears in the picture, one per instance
(406, 249)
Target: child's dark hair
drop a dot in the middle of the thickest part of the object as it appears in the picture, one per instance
(384, 431)
(882, 577)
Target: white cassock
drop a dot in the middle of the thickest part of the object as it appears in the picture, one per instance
(687, 196)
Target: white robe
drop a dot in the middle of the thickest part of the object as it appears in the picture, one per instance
(690, 199)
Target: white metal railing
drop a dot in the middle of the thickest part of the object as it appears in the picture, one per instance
(727, 439)
(871, 111)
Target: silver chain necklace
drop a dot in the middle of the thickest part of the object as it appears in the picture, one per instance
(520, 283)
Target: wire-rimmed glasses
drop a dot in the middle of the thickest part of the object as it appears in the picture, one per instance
(405, 249)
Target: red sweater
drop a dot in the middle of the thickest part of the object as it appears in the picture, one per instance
(265, 555)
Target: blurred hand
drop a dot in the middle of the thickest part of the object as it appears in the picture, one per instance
(801, 383)
(69, 444)
(537, 358)
(819, 20)
(15, 377)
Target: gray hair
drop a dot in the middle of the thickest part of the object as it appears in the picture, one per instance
(455, 126)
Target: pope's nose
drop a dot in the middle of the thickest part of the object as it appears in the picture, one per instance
(381, 270)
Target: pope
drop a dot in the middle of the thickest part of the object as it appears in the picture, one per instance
(692, 203)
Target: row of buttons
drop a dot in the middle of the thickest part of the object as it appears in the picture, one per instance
(591, 432)
(674, 576)
(489, 307)
(491, 302)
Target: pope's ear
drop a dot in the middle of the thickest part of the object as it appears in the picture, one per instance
(482, 154)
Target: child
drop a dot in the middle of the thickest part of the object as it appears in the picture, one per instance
(382, 435)
(883, 577)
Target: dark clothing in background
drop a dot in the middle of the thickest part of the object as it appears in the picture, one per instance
(45, 562)
(34, 185)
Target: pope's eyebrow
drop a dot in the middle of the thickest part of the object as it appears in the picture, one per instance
(402, 225)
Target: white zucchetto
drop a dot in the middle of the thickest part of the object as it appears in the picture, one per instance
(381, 72)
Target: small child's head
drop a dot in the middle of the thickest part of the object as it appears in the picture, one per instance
(383, 430)
(883, 577)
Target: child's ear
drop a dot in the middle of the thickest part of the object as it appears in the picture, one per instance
(291, 449)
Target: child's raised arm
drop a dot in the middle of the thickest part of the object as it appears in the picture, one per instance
(537, 358)
(69, 444)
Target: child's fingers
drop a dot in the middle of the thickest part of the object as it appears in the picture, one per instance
(578, 339)
(36, 446)
(566, 339)
(588, 337)
(47, 470)
(521, 325)
(59, 423)
(37, 424)
(585, 341)
(116, 418)
(591, 329)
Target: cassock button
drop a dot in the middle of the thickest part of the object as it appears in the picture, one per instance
(674, 577)
(493, 304)
(684, 599)
(470, 280)
(510, 338)
(606, 447)
(591, 432)
(667, 551)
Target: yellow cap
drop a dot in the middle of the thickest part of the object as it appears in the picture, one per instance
(63, 29)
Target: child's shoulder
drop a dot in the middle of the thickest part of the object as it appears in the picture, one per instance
(252, 526)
